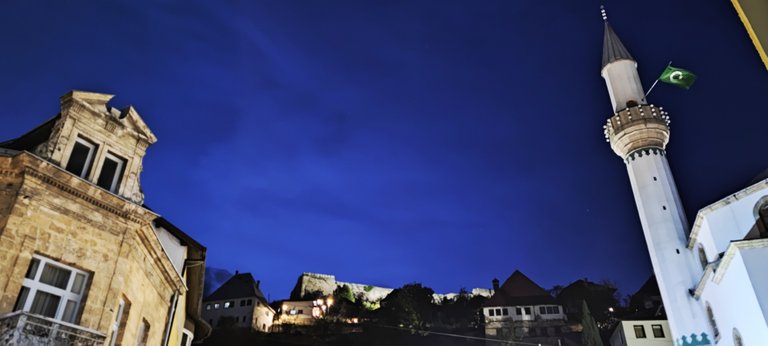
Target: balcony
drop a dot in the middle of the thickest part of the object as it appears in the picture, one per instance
(22, 328)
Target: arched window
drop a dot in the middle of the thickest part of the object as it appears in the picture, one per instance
(761, 216)
(631, 103)
(702, 257)
(737, 338)
(712, 323)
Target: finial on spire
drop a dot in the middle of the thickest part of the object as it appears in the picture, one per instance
(603, 14)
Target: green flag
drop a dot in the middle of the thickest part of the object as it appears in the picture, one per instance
(678, 77)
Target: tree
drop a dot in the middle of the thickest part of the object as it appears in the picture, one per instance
(590, 335)
(344, 303)
(409, 306)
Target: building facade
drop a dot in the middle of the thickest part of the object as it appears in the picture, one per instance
(709, 277)
(239, 303)
(642, 333)
(80, 253)
(520, 310)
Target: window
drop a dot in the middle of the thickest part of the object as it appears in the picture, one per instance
(207, 306)
(498, 312)
(301, 311)
(249, 302)
(242, 302)
(141, 337)
(527, 310)
(186, 338)
(121, 316)
(491, 312)
(639, 331)
(111, 172)
(658, 331)
(542, 310)
(81, 158)
(229, 304)
(505, 312)
(52, 289)
(553, 310)
(712, 323)
(518, 311)
(216, 305)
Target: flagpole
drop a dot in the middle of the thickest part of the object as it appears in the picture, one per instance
(656, 82)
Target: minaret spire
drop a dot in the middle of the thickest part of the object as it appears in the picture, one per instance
(619, 69)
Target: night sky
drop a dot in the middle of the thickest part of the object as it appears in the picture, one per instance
(388, 142)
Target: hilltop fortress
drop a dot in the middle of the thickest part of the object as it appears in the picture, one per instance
(309, 283)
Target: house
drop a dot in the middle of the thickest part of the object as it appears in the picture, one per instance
(303, 312)
(239, 303)
(644, 322)
(82, 260)
(641, 333)
(521, 310)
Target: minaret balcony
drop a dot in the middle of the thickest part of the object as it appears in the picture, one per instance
(637, 127)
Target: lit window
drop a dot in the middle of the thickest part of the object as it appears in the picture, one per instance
(52, 289)
(111, 172)
(491, 312)
(81, 158)
(207, 306)
(658, 331)
(227, 305)
(639, 331)
(216, 305)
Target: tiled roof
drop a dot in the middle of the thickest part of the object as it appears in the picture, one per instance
(518, 289)
(238, 286)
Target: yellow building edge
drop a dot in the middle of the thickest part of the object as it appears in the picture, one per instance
(751, 31)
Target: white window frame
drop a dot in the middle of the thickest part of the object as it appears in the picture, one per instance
(34, 285)
(88, 158)
(117, 322)
(189, 335)
(118, 171)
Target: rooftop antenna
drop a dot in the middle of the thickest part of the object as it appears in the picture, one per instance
(603, 14)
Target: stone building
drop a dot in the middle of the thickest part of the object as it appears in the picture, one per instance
(311, 284)
(82, 260)
(520, 310)
(239, 303)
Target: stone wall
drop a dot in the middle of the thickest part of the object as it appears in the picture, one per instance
(47, 211)
(326, 284)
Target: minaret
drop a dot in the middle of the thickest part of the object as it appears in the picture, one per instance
(638, 133)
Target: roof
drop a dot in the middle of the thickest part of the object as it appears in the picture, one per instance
(649, 288)
(613, 49)
(518, 289)
(238, 286)
(33, 138)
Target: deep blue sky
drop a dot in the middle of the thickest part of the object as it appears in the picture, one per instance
(386, 142)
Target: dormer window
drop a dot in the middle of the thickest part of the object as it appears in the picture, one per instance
(111, 172)
(81, 158)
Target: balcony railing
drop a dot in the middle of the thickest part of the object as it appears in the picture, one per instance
(24, 329)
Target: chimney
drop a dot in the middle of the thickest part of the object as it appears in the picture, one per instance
(495, 284)
(237, 272)
(257, 283)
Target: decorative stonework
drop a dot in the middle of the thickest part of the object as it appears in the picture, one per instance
(694, 340)
(644, 152)
(637, 127)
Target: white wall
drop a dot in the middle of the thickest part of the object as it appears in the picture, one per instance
(173, 248)
(734, 301)
(513, 316)
(729, 219)
(624, 335)
(623, 83)
(254, 314)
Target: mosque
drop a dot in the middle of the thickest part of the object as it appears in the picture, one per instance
(712, 276)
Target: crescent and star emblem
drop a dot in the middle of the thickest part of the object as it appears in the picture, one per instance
(677, 75)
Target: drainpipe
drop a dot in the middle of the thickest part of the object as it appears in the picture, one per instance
(171, 313)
